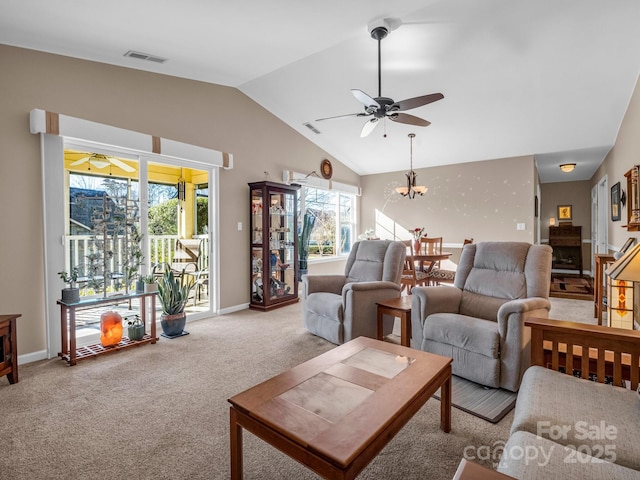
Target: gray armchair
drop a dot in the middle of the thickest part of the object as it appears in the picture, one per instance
(479, 322)
(340, 308)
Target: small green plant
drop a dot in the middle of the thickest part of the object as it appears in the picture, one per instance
(173, 292)
(151, 278)
(70, 278)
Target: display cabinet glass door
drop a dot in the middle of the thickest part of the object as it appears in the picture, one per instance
(273, 245)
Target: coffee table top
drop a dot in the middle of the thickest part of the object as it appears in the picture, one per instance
(339, 402)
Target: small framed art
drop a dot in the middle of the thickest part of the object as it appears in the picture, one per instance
(615, 202)
(565, 213)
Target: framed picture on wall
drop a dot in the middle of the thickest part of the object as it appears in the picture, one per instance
(565, 213)
(615, 202)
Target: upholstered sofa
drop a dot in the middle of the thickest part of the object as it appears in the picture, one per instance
(340, 308)
(575, 428)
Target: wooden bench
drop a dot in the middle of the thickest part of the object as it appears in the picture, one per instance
(601, 351)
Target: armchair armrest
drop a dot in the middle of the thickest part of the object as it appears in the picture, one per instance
(323, 283)
(523, 308)
(588, 348)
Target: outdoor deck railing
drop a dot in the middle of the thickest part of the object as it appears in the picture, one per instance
(161, 250)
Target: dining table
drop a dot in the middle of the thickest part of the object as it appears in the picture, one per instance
(428, 260)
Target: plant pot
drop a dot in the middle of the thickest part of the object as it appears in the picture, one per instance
(173, 325)
(135, 332)
(150, 287)
(71, 295)
(139, 286)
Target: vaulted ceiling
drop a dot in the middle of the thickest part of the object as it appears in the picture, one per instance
(550, 78)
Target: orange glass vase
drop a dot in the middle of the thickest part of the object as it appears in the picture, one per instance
(110, 329)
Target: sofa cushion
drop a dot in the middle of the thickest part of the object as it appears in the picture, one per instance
(529, 457)
(573, 411)
(468, 333)
(368, 262)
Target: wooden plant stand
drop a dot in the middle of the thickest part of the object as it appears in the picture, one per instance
(71, 354)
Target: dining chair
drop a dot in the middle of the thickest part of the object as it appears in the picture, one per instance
(438, 275)
(411, 276)
(430, 245)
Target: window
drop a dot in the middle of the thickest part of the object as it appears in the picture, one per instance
(332, 233)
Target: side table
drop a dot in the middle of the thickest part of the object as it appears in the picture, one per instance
(401, 308)
(9, 347)
(601, 261)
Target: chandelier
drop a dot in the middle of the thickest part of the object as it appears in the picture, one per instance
(411, 189)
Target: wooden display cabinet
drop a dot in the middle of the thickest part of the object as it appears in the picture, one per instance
(633, 200)
(273, 245)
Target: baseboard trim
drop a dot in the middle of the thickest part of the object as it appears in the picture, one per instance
(32, 357)
(235, 308)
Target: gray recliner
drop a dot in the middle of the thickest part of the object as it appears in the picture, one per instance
(479, 322)
(340, 308)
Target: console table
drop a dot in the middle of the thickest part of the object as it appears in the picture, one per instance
(9, 347)
(71, 354)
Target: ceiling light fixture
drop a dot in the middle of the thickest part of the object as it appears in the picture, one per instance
(567, 167)
(411, 189)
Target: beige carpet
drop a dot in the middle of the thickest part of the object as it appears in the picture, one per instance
(161, 412)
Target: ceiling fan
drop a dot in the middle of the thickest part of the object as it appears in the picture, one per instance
(384, 107)
(100, 161)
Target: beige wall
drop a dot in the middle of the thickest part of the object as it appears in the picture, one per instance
(624, 155)
(484, 200)
(576, 194)
(207, 115)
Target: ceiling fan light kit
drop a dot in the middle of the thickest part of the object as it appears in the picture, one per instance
(384, 107)
(411, 189)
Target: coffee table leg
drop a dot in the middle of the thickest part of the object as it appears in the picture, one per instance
(236, 446)
(445, 404)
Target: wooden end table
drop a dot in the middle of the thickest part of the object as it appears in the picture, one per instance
(401, 308)
(9, 347)
(336, 412)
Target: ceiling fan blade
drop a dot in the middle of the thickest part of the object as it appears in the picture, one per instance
(120, 164)
(79, 162)
(99, 163)
(368, 127)
(364, 99)
(409, 119)
(343, 116)
(416, 102)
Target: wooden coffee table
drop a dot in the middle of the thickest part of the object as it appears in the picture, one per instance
(336, 412)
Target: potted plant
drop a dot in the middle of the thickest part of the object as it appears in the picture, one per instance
(150, 284)
(173, 293)
(71, 294)
(135, 328)
(303, 243)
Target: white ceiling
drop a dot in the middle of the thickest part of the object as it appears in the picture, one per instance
(550, 78)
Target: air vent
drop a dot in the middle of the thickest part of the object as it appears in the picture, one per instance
(145, 56)
(312, 128)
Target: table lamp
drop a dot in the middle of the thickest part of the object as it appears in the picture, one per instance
(623, 273)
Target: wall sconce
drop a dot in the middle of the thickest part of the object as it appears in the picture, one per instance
(623, 273)
(567, 167)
